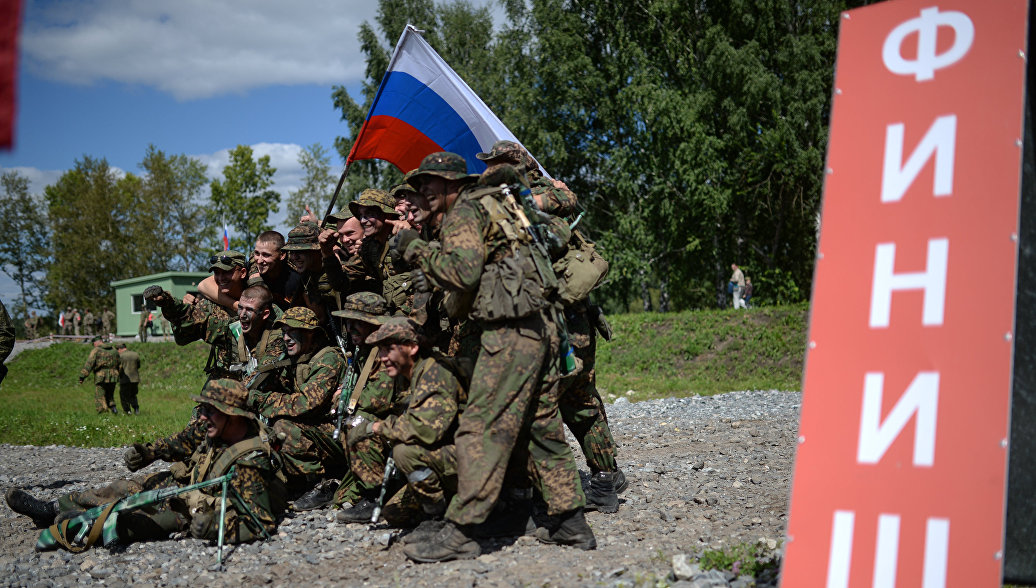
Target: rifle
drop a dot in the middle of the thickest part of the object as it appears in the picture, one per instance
(343, 397)
(568, 360)
(390, 471)
(100, 522)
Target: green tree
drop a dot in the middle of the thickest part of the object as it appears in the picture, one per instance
(177, 222)
(91, 212)
(317, 184)
(24, 250)
(244, 197)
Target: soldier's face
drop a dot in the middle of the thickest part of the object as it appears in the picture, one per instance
(350, 235)
(418, 209)
(305, 261)
(358, 330)
(296, 341)
(433, 188)
(398, 359)
(251, 314)
(267, 256)
(215, 421)
(372, 219)
(228, 279)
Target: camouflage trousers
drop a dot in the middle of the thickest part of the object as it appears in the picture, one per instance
(146, 524)
(367, 459)
(104, 396)
(304, 460)
(580, 403)
(118, 489)
(512, 412)
(431, 474)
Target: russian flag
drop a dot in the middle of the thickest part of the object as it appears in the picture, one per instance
(226, 237)
(423, 106)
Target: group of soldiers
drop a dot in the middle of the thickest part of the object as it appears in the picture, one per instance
(110, 364)
(414, 356)
(77, 323)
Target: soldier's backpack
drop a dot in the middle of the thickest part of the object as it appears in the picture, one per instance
(580, 270)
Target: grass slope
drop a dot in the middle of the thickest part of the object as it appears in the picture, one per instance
(651, 356)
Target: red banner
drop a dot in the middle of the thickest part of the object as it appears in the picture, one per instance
(10, 18)
(901, 468)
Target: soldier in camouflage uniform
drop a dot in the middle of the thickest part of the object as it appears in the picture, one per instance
(340, 253)
(315, 291)
(512, 402)
(6, 339)
(31, 324)
(206, 321)
(103, 362)
(581, 406)
(106, 323)
(421, 437)
(88, 323)
(233, 438)
(296, 403)
(370, 394)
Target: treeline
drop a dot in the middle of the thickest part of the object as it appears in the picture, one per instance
(95, 225)
(694, 132)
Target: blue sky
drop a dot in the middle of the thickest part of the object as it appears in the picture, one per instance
(105, 78)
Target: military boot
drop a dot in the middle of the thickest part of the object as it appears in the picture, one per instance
(620, 482)
(361, 512)
(21, 502)
(602, 494)
(450, 543)
(572, 529)
(320, 496)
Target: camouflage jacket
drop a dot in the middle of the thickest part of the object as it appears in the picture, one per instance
(269, 348)
(207, 321)
(6, 333)
(380, 397)
(104, 362)
(436, 400)
(556, 201)
(306, 387)
(255, 479)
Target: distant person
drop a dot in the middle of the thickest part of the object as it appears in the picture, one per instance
(88, 323)
(77, 322)
(103, 363)
(31, 326)
(6, 339)
(129, 378)
(737, 281)
(748, 292)
(106, 323)
(166, 327)
(142, 327)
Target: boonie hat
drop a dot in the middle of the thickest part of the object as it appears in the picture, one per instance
(227, 260)
(373, 197)
(299, 317)
(304, 237)
(443, 164)
(227, 396)
(364, 306)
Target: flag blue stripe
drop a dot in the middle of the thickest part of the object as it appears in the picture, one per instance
(407, 99)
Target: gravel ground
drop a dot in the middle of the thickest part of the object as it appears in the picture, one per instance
(704, 472)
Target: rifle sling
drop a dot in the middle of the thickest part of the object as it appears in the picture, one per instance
(365, 373)
(60, 531)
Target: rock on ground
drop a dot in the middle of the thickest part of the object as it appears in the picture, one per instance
(704, 473)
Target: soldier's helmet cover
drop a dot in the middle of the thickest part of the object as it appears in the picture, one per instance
(304, 237)
(364, 306)
(228, 260)
(227, 396)
(397, 329)
(299, 317)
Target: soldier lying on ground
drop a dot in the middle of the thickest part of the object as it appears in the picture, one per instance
(234, 439)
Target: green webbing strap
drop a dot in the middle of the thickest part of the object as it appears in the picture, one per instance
(60, 532)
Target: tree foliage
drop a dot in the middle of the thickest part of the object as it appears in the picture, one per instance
(317, 184)
(244, 197)
(694, 134)
(24, 248)
(173, 214)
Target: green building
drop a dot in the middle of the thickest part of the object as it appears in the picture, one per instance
(129, 297)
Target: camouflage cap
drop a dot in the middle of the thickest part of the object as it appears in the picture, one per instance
(443, 164)
(341, 215)
(304, 237)
(298, 317)
(504, 150)
(397, 329)
(364, 306)
(227, 260)
(120, 346)
(373, 197)
(227, 396)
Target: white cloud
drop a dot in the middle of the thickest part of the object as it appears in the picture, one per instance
(38, 178)
(199, 48)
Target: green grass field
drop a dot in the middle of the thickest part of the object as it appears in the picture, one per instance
(651, 356)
